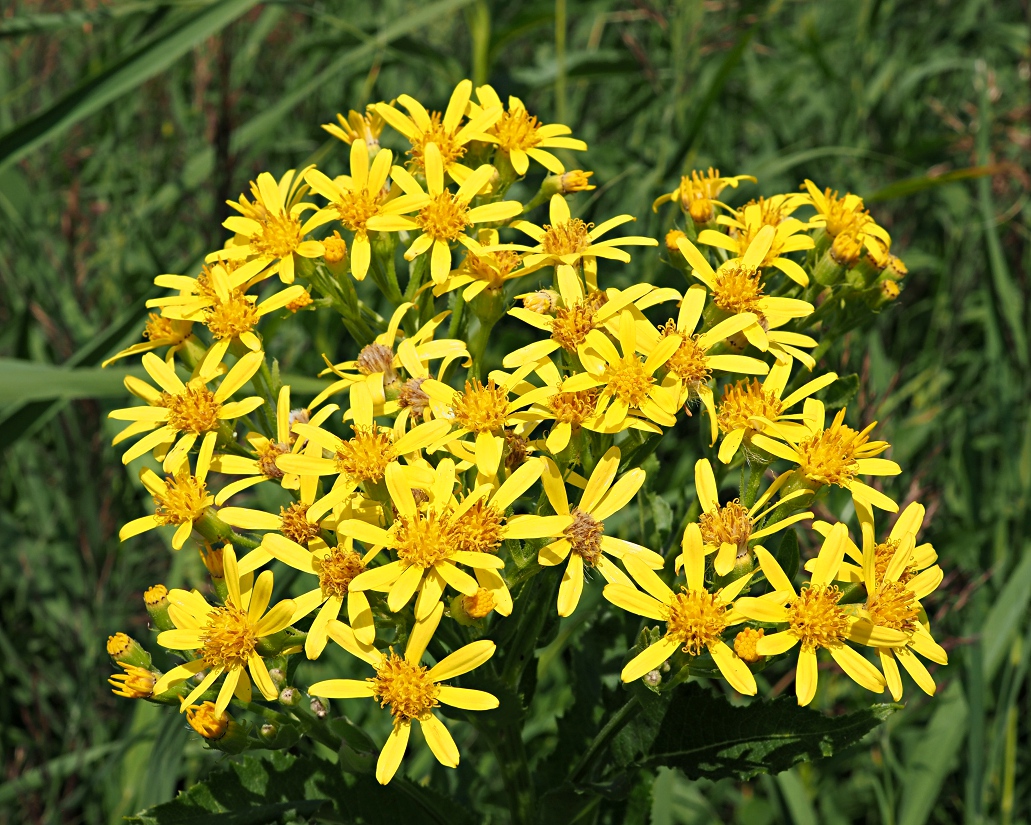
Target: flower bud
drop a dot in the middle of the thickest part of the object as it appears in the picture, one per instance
(319, 707)
(122, 648)
(543, 301)
(300, 302)
(278, 677)
(135, 683)
(673, 237)
(219, 729)
(156, 600)
(290, 696)
(745, 642)
(335, 248)
(576, 180)
(468, 610)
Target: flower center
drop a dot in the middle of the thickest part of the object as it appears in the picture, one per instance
(738, 289)
(584, 535)
(893, 605)
(567, 238)
(493, 267)
(280, 235)
(229, 637)
(573, 407)
(696, 619)
(481, 409)
(838, 216)
(227, 319)
(365, 456)
(450, 151)
(444, 218)
(517, 130)
(830, 456)
(847, 246)
(407, 688)
(728, 524)
(743, 401)
(296, 526)
(629, 380)
(193, 410)
(424, 540)
(815, 617)
(570, 327)
(376, 358)
(412, 395)
(356, 207)
(479, 530)
(518, 450)
(336, 571)
(267, 456)
(688, 362)
(163, 329)
(183, 500)
(883, 554)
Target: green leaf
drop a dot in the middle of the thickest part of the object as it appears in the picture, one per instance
(125, 75)
(838, 394)
(703, 735)
(910, 186)
(25, 24)
(1006, 614)
(787, 553)
(22, 381)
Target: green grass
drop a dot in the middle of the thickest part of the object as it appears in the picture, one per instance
(123, 129)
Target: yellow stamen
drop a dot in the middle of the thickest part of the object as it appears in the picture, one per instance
(743, 401)
(230, 318)
(450, 151)
(628, 380)
(696, 619)
(584, 535)
(184, 499)
(738, 289)
(573, 407)
(893, 605)
(481, 409)
(570, 327)
(159, 328)
(404, 686)
(228, 638)
(688, 362)
(424, 540)
(517, 130)
(192, 410)
(815, 617)
(479, 529)
(728, 524)
(829, 457)
(444, 218)
(337, 570)
(356, 207)
(567, 238)
(296, 526)
(267, 456)
(365, 456)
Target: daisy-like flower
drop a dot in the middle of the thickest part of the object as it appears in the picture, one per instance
(698, 193)
(627, 381)
(747, 406)
(159, 332)
(567, 241)
(579, 533)
(219, 301)
(729, 529)
(749, 221)
(355, 199)
(263, 467)
(270, 228)
(736, 288)
(411, 690)
(335, 567)
(690, 364)
(182, 413)
(227, 637)
(520, 137)
(443, 216)
(695, 618)
(569, 321)
(833, 454)
(375, 372)
(180, 499)
(484, 270)
(424, 539)
(445, 131)
(846, 213)
(816, 620)
(357, 126)
(896, 574)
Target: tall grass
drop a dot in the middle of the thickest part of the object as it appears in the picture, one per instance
(124, 127)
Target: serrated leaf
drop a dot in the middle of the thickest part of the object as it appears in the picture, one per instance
(838, 394)
(787, 553)
(703, 735)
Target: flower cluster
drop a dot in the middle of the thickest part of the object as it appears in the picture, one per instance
(423, 494)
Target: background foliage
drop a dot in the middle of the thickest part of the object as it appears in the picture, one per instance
(125, 126)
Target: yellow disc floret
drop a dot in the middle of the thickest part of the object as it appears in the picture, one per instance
(815, 617)
(193, 410)
(228, 638)
(517, 130)
(231, 317)
(479, 528)
(743, 401)
(481, 409)
(585, 534)
(567, 238)
(696, 620)
(365, 457)
(894, 605)
(337, 570)
(406, 687)
(444, 218)
(728, 524)
(571, 325)
(737, 289)
(267, 456)
(183, 500)
(573, 407)
(424, 540)
(296, 526)
(688, 362)
(628, 380)
(829, 457)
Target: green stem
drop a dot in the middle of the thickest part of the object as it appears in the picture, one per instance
(509, 750)
(750, 481)
(616, 723)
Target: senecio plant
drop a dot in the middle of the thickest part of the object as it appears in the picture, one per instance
(441, 512)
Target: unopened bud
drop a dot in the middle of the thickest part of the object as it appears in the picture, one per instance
(278, 677)
(846, 249)
(673, 238)
(652, 678)
(219, 729)
(122, 648)
(468, 610)
(318, 707)
(543, 301)
(212, 558)
(290, 696)
(701, 211)
(896, 269)
(335, 248)
(156, 600)
(745, 642)
(300, 302)
(576, 180)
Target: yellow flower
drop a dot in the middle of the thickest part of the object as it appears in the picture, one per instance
(816, 620)
(695, 618)
(136, 683)
(737, 288)
(374, 373)
(443, 216)
(698, 192)
(424, 539)
(845, 214)
(747, 407)
(355, 199)
(411, 690)
(159, 332)
(690, 363)
(180, 499)
(182, 413)
(579, 532)
(832, 455)
(568, 240)
(263, 466)
(750, 220)
(356, 126)
(219, 301)
(484, 270)
(226, 637)
(519, 136)
(269, 229)
(730, 529)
